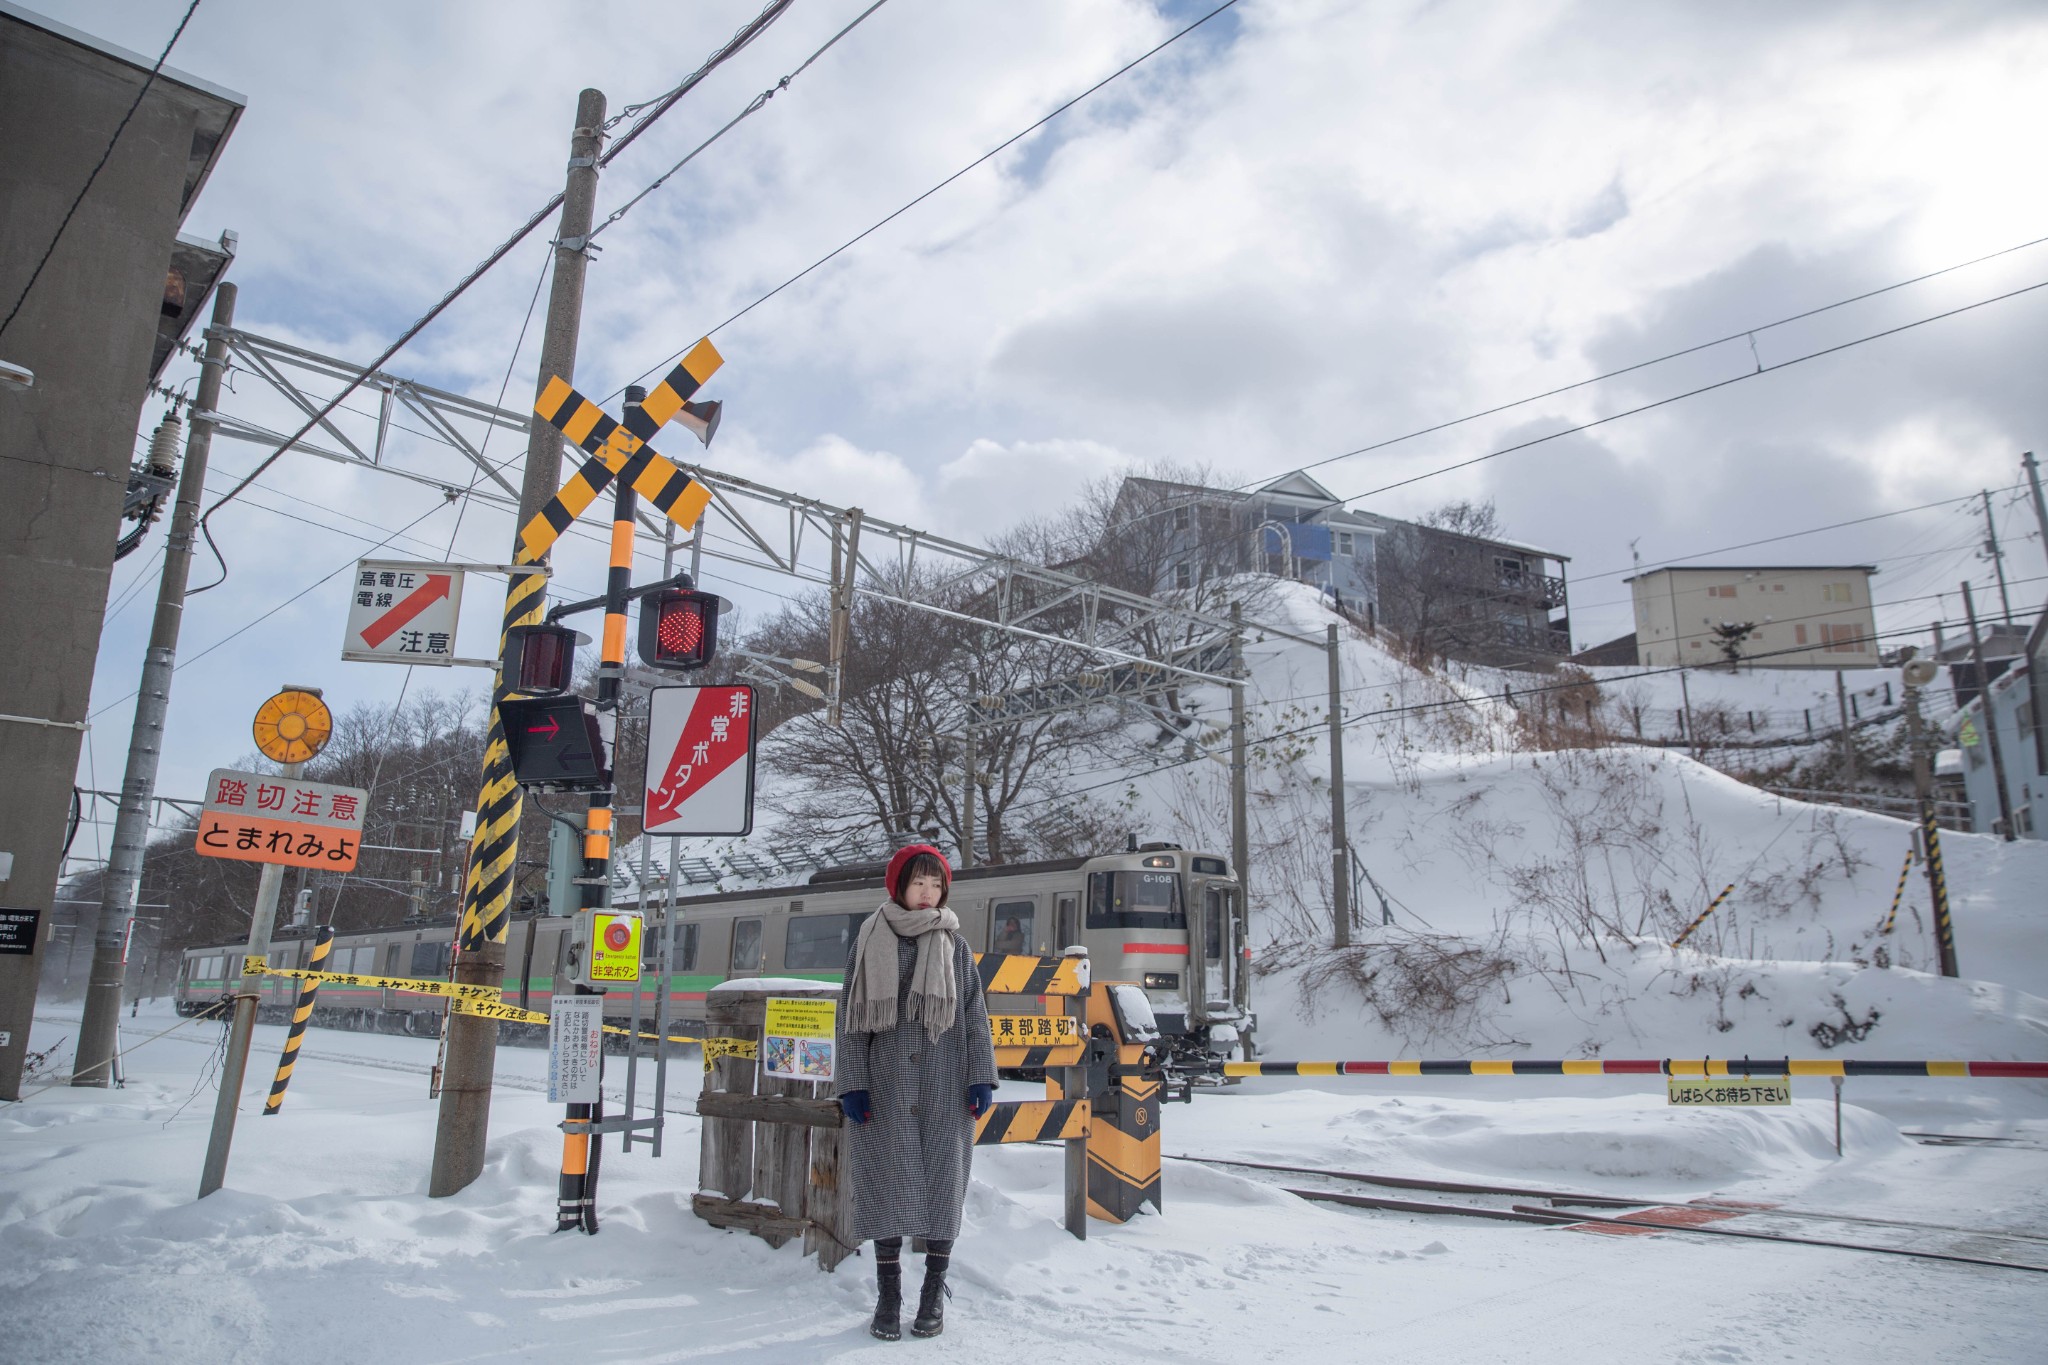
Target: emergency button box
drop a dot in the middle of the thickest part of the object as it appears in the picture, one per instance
(604, 948)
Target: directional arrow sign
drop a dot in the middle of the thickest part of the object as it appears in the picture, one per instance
(402, 612)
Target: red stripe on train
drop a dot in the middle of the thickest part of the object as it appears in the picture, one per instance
(1180, 949)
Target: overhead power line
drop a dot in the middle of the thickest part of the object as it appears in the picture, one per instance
(1696, 392)
(891, 217)
(100, 165)
(739, 40)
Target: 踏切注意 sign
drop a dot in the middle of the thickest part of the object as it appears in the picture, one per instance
(256, 818)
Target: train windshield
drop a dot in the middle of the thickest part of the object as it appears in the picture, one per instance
(1135, 900)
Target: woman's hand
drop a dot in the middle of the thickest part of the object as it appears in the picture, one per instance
(854, 1104)
(979, 1098)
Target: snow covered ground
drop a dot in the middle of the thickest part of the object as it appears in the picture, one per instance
(324, 1247)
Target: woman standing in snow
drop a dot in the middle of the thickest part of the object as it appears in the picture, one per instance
(914, 1069)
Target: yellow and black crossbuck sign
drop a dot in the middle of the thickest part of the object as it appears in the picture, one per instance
(1017, 974)
(620, 449)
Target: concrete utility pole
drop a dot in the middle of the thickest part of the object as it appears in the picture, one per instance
(248, 995)
(464, 1123)
(2033, 469)
(1340, 850)
(1997, 556)
(1240, 829)
(967, 799)
(845, 568)
(98, 1030)
(1990, 719)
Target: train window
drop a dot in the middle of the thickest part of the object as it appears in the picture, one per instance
(429, 960)
(686, 948)
(747, 955)
(391, 960)
(1213, 866)
(820, 942)
(1135, 900)
(1009, 926)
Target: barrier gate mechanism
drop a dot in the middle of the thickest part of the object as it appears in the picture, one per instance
(1098, 1048)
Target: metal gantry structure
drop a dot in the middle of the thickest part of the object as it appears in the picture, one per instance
(764, 528)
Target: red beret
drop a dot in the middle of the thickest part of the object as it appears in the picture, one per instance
(902, 860)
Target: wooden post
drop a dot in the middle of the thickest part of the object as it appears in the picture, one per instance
(727, 1164)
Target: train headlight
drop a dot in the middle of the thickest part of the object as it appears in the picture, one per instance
(1162, 981)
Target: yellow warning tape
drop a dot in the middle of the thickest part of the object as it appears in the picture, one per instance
(489, 994)
(744, 1048)
(515, 1015)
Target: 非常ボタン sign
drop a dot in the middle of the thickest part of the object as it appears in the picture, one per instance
(796, 1038)
(255, 818)
(614, 947)
(1713, 1092)
(700, 761)
(403, 612)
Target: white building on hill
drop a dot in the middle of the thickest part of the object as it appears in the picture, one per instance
(1804, 616)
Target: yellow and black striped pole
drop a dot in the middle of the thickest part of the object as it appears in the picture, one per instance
(1898, 894)
(1937, 885)
(1712, 906)
(582, 1151)
(322, 942)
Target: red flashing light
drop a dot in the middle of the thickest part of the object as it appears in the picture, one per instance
(678, 629)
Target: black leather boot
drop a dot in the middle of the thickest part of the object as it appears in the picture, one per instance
(888, 1323)
(931, 1303)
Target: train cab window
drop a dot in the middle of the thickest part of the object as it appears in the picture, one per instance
(747, 954)
(820, 942)
(1010, 926)
(1135, 900)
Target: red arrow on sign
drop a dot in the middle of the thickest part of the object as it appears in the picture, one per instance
(418, 600)
(554, 727)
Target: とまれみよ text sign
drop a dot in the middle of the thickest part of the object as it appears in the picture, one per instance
(403, 612)
(700, 761)
(255, 818)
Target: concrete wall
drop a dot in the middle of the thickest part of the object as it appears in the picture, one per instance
(66, 444)
(1799, 613)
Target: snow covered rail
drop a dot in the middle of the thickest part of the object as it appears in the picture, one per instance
(1668, 1066)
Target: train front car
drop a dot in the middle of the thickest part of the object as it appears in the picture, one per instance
(1172, 921)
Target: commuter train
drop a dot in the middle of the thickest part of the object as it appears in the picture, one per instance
(1165, 918)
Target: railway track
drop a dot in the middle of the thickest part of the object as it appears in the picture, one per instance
(1999, 1248)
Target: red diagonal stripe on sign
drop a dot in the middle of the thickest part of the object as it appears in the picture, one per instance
(412, 604)
(700, 754)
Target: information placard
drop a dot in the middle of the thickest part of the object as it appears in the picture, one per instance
(796, 1038)
(18, 930)
(575, 1046)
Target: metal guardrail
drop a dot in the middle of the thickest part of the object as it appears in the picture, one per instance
(1950, 815)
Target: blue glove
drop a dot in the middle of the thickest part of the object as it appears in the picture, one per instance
(979, 1098)
(854, 1104)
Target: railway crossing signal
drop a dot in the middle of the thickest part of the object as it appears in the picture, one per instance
(555, 744)
(620, 449)
(678, 629)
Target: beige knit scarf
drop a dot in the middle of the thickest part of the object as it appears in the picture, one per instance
(934, 993)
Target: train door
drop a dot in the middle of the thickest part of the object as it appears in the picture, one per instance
(1219, 945)
(1012, 924)
(1066, 923)
(749, 948)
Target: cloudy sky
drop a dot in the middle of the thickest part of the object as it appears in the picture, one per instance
(1309, 227)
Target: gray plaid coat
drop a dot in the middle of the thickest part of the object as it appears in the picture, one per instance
(909, 1162)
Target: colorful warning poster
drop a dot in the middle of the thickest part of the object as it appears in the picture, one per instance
(796, 1039)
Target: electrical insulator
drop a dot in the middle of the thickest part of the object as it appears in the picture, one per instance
(163, 446)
